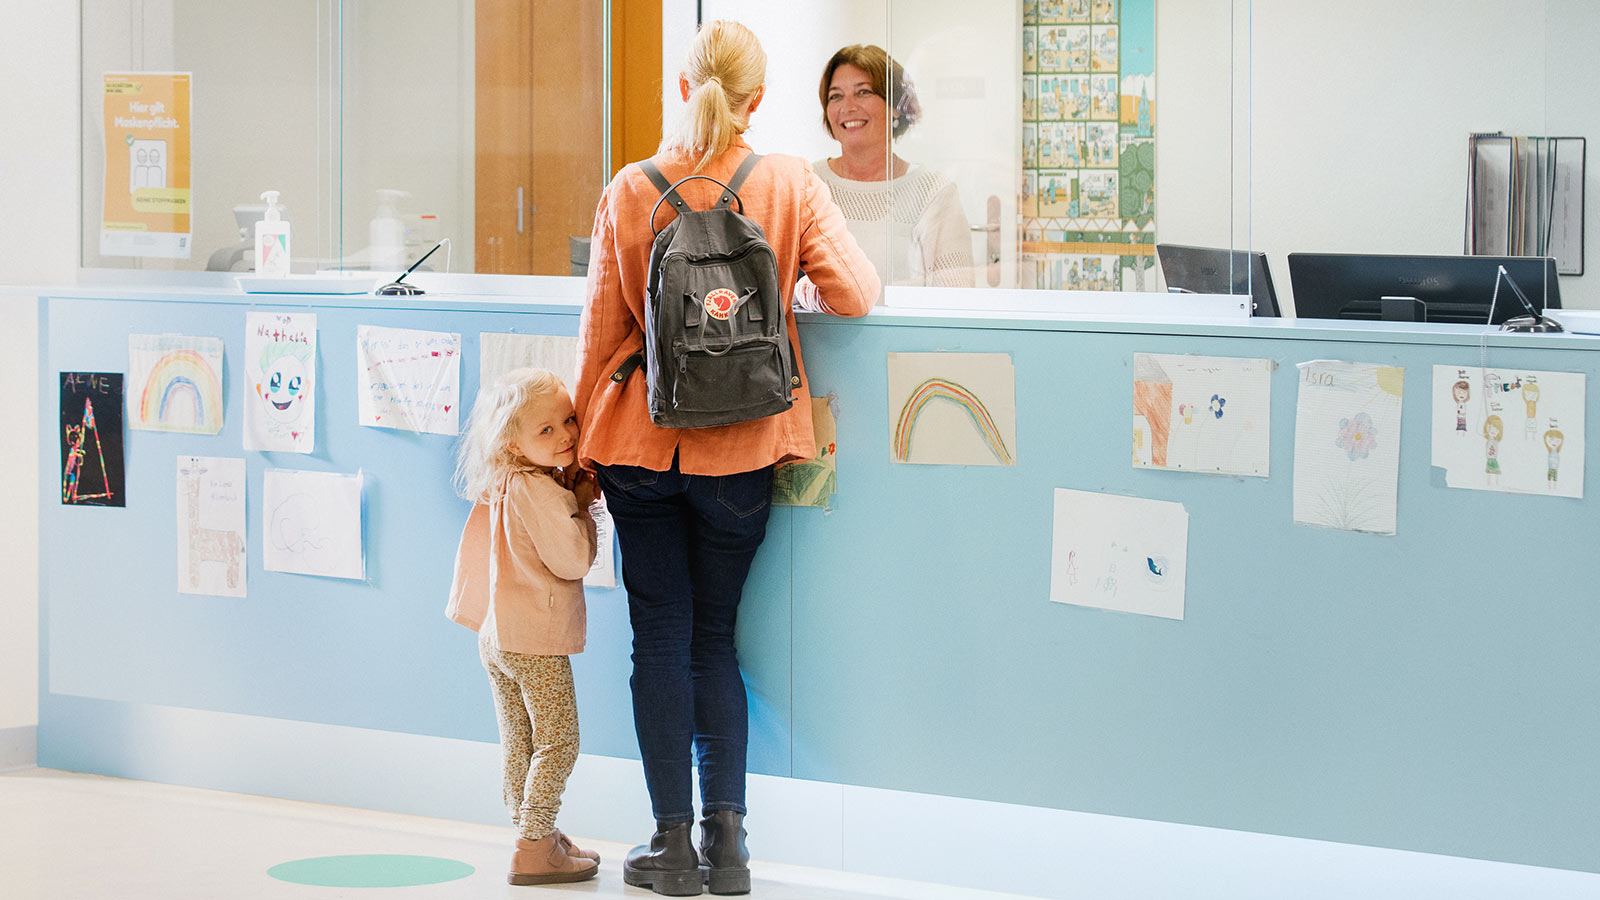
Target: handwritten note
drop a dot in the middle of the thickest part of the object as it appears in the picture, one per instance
(408, 380)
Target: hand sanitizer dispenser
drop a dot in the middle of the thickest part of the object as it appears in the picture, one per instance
(387, 233)
(272, 240)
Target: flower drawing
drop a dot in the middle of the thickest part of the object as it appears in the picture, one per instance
(1356, 436)
(1217, 403)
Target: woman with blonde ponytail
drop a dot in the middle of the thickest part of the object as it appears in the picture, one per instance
(690, 505)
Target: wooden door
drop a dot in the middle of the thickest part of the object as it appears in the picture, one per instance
(540, 152)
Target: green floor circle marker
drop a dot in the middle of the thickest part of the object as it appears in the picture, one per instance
(372, 870)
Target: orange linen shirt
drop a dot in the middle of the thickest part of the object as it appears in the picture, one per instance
(807, 232)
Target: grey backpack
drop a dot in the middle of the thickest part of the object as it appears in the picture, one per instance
(716, 343)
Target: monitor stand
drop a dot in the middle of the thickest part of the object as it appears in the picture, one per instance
(1404, 309)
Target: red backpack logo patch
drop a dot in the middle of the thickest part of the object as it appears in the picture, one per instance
(719, 303)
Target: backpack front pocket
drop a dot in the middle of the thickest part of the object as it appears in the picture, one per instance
(743, 378)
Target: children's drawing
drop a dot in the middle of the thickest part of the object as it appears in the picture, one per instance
(1206, 414)
(91, 439)
(1530, 397)
(1512, 430)
(211, 554)
(311, 523)
(1553, 439)
(1347, 445)
(603, 573)
(952, 409)
(176, 383)
(280, 359)
(810, 482)
(500, 353)
(408, 380)
(1127, 554)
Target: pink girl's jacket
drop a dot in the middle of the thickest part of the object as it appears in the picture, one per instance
(520, 567)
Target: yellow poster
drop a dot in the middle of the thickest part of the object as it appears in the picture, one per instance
(147, 203)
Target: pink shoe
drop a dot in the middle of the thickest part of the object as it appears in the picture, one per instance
(545, 861)
(574, 850)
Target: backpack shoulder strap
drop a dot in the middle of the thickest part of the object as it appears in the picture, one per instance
(737, 181)
(663, 185)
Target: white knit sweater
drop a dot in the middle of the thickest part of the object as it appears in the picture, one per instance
(911, 227)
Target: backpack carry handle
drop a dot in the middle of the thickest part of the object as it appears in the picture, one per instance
(670, 191)
(672, 194)
(733, 326)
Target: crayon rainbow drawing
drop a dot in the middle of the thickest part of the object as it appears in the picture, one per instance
(175, 383)
(944, 389)
(182, 393)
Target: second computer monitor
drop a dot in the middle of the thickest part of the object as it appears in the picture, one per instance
(1451, 288)
(1215, 270)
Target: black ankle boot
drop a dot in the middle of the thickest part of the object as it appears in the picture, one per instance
(668, 865)
(723, 856)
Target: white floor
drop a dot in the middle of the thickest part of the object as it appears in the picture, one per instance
(65, 836)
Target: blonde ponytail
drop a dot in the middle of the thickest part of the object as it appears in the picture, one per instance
(724, 69)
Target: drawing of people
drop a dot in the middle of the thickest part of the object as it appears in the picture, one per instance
(1461, 391)
(1553, 439)
(1493, 431)
(1530, 395)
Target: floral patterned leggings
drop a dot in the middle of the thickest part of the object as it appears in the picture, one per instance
(538, 715)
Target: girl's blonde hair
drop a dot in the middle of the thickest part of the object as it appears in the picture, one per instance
(484, 452)
(725, 67)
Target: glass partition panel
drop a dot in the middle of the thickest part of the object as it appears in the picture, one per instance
(192, 109)
(482, 122)
(1038, 155)
(795, 117)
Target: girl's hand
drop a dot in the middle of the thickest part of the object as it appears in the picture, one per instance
(584, 488)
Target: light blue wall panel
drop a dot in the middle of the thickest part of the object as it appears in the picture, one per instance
(374, 654)
(1431, 690)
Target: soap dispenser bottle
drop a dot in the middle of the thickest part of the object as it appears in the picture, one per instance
(387, 233)
(272, 240)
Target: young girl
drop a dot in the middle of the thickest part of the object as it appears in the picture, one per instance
(519, 584)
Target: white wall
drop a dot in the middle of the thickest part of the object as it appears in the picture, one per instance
(38, 245)
(1572, 108)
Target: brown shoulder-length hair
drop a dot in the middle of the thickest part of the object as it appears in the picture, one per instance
(888, 81)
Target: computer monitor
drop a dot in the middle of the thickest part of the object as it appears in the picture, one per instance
(1450, 288)
(1214, 270)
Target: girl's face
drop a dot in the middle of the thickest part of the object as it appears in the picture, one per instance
(1460, 393)
(547, 432)
(859, 118)
(1553, 441)
(1492, 430)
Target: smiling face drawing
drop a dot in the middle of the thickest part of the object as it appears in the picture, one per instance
(283, 386)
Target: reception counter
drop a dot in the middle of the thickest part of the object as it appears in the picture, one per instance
(1431, 690)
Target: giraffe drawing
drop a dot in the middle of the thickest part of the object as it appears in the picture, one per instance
(208, 544)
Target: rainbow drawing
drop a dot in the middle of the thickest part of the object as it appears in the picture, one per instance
(180, 386)
(944, 389)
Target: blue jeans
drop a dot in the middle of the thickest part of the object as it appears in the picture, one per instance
(687, 544)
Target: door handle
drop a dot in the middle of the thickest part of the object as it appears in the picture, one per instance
(519, 210)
